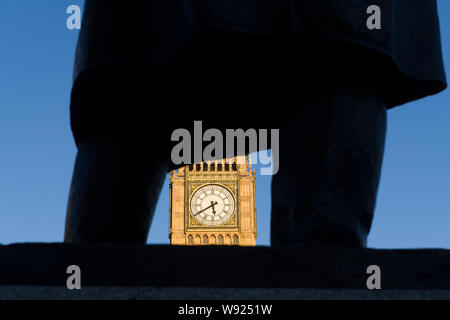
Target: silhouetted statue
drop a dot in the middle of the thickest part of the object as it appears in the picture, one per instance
(311, 68)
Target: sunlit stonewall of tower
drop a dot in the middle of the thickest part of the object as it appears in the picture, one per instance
(213, 203)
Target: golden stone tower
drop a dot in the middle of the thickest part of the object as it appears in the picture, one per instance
(213, 203)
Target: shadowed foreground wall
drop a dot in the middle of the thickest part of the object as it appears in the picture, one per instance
(38, 271)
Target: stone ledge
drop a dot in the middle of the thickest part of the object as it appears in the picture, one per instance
(233, 271)
(188, 293)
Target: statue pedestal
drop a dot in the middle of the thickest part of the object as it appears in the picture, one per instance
(38, 271)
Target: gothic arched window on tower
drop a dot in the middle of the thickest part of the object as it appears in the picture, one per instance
(220, 239)
(236, 239)
(190, 240)
(205, 239)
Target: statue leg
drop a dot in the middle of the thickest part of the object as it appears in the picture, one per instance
(330, 165)
(115, 188)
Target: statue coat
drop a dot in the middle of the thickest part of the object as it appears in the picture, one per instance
(143, 37)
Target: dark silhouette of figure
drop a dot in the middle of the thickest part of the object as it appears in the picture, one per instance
(311, 68)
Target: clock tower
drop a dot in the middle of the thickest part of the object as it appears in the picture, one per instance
(213, 203)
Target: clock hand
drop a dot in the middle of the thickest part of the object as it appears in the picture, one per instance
(212, 205)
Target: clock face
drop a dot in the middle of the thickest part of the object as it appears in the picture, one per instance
(212, 205)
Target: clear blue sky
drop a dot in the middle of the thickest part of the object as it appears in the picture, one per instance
(37, 151)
